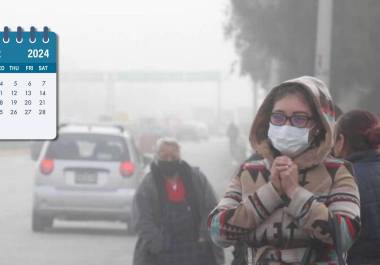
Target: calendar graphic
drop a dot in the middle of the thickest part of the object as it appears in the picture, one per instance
(28, 84)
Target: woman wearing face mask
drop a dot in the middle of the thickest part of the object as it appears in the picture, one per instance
(172, 204)
(358, 141)
(296, 205)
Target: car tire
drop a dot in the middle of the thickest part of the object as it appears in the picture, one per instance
(39, 222)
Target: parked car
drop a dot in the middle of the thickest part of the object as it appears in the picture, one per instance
(90, 172)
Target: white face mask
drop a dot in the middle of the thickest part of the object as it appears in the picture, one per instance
(289, 140)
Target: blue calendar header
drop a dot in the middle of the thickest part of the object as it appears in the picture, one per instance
(27, 55)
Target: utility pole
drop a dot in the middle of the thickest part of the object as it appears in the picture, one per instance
(323, 45)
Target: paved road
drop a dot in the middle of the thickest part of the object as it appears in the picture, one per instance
(79, 243)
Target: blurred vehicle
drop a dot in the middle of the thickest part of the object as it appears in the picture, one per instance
(90, 172)
(192, 131)
(149, 131)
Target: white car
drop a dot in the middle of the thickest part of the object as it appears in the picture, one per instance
(90, 172)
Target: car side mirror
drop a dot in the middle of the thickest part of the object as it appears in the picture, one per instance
(35, 150)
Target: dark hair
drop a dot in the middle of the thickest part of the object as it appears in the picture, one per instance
(361, 130)
(298, 89)
(294, 89)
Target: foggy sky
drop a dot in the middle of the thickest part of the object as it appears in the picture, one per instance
(144, 35)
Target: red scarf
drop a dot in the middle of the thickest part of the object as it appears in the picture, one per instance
(175, 189)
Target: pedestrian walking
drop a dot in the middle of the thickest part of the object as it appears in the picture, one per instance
(172, 204)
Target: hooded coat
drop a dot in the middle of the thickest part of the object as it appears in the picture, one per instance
(282, 230)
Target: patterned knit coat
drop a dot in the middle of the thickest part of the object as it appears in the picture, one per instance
(321, 218)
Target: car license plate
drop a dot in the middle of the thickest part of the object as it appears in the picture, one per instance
(86, 178)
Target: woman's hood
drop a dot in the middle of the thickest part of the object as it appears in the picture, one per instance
(325, 109)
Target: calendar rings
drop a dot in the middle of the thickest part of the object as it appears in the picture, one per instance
(19, 38)
(6, 38)
(45, 38)
(20, 35)
(32, 38)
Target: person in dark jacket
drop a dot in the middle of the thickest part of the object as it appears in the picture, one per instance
(358, 140)
(172, 204)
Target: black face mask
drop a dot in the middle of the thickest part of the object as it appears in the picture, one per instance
(168, 168)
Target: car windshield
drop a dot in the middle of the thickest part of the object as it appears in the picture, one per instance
(81, 146)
